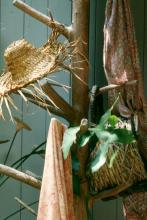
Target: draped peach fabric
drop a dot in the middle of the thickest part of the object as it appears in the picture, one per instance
(56, 197)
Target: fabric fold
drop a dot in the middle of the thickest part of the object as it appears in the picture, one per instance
(120, 56)
(121, 64)
(56, 197)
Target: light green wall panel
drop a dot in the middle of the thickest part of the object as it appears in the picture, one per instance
(9, 32)
(36, 33)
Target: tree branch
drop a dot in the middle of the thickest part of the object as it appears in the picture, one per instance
(23, 204)
(61, 28)
(60, 102)
(18, 175)
(107, 194)
(46, 105)
(113, 86)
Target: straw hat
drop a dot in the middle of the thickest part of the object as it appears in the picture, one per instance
(26, 64)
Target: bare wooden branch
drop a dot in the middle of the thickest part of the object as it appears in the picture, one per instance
(46, 105)
(18, 175)
(110, 192)
(25, 206)
(60, 102)
(50, 108)
(113, 86)
(61, 28)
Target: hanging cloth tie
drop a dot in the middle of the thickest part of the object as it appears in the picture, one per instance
(56, 197)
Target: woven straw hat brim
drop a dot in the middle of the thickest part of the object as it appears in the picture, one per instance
(26, 64)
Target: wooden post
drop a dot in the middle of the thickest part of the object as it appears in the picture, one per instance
(80, 100)
(80, 32)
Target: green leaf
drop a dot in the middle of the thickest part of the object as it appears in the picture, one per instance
(100, 158)
(113, 120)
(107, 115)
(68, 140)
(114, 155)
(84, 138)
(104, 119)
(124, 136)
(101, 154)
(105, 135)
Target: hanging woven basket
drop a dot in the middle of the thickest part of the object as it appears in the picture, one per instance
(125, 167)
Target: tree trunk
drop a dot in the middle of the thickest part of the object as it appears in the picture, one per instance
(80, 25)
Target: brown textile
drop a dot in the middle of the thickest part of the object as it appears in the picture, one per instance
(121, 61)
(121, 64)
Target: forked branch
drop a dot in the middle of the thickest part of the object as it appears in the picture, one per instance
(23, 204)
(46, 105)
(60, 102)
(61, 28)
(63, 109)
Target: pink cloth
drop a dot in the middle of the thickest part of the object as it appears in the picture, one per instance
(121, 64)
(121, 61)
(135, 206)
(56, 197)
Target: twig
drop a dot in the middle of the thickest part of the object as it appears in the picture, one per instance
(33, 174)
(4, 141)
(20, 161)
(25, 206)
(61, 28)
(19, 126)
(34, 151)
(10, 147)
(21, 209)
(55, 83)
(18, 175)
(113, 86)
(110, 193)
